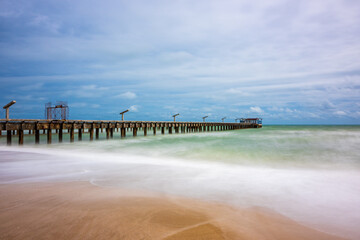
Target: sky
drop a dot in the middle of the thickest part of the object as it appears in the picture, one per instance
(287, 61)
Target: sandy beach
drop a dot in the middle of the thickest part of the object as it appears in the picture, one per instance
(79, 210)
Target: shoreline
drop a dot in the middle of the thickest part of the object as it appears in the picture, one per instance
(68, 210)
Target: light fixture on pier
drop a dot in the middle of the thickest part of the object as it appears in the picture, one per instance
(122, 114)
(7, 106)
(204, 118)
(223, 119)
(237, 119)
(174, 116)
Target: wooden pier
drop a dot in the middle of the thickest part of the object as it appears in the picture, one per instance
(20, 127)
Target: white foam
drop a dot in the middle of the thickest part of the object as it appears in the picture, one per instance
(327, 199)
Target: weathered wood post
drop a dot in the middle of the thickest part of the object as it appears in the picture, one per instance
(108, 132)
(123, 132)
(8, 137)
(154, 130)
(37, 133)
(80, 132)
(134, 131)
(170, 129)
(97, 132)
(91, 132)
(49, 134)
(21, 134)
(61, 132)
(162, 130)
(145, 131)
(111, 132)
(72, 132)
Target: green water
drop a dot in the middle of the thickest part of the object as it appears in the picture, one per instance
(287, 146)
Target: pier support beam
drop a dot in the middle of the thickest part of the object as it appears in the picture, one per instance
(134, 132)
(80, 134)
(145, 131)
(107, 133)
(8, 137)
(154, 131)
(49, 135)
(61, 133)
(72, 133)
(97, 131)
(123, 132)
(37, 136)
(91, 132)
(170, 130)
(162, 130)
(21, 136)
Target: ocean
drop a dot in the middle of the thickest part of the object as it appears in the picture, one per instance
(308, 173)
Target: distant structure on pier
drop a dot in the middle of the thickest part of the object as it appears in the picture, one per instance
(251, 120)
(60, 111)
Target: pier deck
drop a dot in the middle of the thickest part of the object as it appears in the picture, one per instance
(19, 127)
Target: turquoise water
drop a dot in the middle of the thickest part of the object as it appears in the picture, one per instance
(277, 146)
(309, 173)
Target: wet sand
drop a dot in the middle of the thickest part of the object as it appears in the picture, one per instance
(79, 210)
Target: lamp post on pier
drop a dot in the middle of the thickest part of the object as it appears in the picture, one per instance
(223, 119)
(6, 107)
(122, 114)
(174, 116)
(204, 118)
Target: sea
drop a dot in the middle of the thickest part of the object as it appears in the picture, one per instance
(308, 173)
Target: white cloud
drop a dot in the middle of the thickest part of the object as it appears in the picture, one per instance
(134, 108)
(127, 95)
(256, 110)
(238, 92)
(340, 113)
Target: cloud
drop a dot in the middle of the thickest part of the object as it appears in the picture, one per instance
(134, 108)
(126, 95)
(237, 91)
(205, 58)
(256, 110)
(340, 113)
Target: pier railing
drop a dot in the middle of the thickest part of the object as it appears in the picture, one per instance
(36, 127)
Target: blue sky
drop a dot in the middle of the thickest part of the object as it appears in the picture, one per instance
(289, 62)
